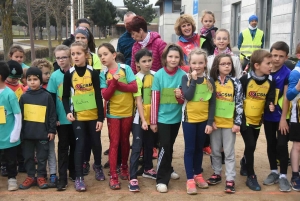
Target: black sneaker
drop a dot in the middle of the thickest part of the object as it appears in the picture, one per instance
(106, 152)
(21, 168)
(229, 188)
(134, 185)
(214, 179)
(252, 183)
(4, 171)
(62, 185)
(243, 170)
(140, 171)
(86, 168)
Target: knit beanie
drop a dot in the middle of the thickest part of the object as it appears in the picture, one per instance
(36, 72)
(83, 31)
(15, 69)
(253, 17)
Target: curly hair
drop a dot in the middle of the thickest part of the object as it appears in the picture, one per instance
(40, 63)
(185, 18)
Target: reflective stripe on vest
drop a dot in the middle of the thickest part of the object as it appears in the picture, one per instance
(249, 45)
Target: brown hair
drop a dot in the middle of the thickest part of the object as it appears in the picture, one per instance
(258, 57)
(214, 72)
(185, 18)
(15, 48)
(298, 49)
(168, 48)
(62, 48)
(109, 46)
(208, 12)
(40, 63)
(24, 74)
(226, 31)
(280, 45)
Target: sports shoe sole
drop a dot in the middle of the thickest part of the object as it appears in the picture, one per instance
(229, 191)
(136, 190)
(213, 183)
(295, 189)
(148, 176)
(81, 189)
(276, 182)
(289, 190)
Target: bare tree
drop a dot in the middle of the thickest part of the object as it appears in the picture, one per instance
(30, 30)
(6, 9)
(49, 31)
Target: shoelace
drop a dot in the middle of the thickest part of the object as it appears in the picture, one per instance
(229, 183)
(214, 176)
(134, 182)
(151, 171)
(27, 181)
(41, 180)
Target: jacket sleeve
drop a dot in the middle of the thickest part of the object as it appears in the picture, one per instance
(238, 102)
(66, 92)
(130, 87)
(188, 91)
(212, 104)
(293, 81)
(262, 41)
(161, 47)
(51, 116)
(271, 95)
(240, 40)
(98, 97)
(154, 107)
(132, 65)
(108, 92)
(22, 113)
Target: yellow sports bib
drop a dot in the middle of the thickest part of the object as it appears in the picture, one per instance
(19, 93)
(147, 84)
(34, 113)
(2, 115)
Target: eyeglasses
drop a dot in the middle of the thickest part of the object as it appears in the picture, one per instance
(225, 64)
(61, 58)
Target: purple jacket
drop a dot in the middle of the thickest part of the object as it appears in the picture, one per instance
(156, 45)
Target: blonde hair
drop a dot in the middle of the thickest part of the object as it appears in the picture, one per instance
(185, 18)
(207, 12)
(199, 51)
(226, 31)
(40, 63)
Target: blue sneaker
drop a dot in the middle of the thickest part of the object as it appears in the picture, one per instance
(52, 181)
(252, 183)
(99, 175)
(79, 184)
(295, 183)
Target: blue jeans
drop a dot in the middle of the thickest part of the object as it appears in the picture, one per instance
(194, 138)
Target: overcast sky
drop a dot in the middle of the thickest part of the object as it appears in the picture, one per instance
(120, 2)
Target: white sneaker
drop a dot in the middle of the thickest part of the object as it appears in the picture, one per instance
(12, 184)
(174, 175)
(162, 188)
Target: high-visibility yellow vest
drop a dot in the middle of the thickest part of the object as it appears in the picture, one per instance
(249, 45)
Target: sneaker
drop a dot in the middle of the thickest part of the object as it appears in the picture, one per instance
(162, 188)
(207, 150)
(52, 181)
(4, 171)
(99, 175)
(124, 173)
(174, 175)
(155, 153)
(72, 176)
(12, 184)
(133, 185)
(243, 170)
(201, 183)
(29, 181)
(114, 183)
(252, 183)
(21, 168)
(106, 152)
(229, 188)
(191, 187)
(284, 185)
(106, 165)
(271, 179)
(214, 179)
(140, 171)
(42, 183)
(62, 185)
(86, 168)
(295, 183)
(150, 174)
(79, 184)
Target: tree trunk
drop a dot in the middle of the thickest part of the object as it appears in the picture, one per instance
(31, 31)
(34, 34)
(55, 32)
(59, 27)
(49, 34)
(6, 8)
(40, 33)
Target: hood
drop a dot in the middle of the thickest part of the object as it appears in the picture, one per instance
(153, 37)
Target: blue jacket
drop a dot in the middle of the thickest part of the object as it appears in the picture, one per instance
(253, 32)
(124, 46)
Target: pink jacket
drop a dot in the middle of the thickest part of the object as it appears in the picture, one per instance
(156, 45)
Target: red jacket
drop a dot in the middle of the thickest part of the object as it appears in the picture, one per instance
(156, 45)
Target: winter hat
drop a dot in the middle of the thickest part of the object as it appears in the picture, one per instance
(36, 72)
(253, 17)
(83, 31)
(15, 69)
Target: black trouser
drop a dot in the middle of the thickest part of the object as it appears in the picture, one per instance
(81, 130)
(250, 136)
(87, 149)
(277, 146)
(42, 148)
(66, 142)
(140, 138)
(207, 141)
(167, 134)
(10, 157)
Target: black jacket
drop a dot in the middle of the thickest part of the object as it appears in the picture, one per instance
(35, 130)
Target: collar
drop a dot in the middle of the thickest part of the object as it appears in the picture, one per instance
(173, 72)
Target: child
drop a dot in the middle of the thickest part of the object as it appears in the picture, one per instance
(222, 42)
(166, 104)
(227, 121)
(17, 53)
(208, 31)
(197, 117)
(46, 67)
(275, 123)
(142, 134)
(38, 128)
(81, 84)
(10, 126)
(118, 84)
(259, 95)
(64, 127)
(292, 95)
(23, 78)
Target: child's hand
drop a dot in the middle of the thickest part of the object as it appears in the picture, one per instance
(51, 136)
(298, 85)
(177, 92)
(145, 125)
(70, 117)
(116, 76)
(99, 125)
(235, 129)
(272, 107)
(208, 129)
(57, 123)
(283, 127)
(154, 128)
(194, 75)
(214, 126)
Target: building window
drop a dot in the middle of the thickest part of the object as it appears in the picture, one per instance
(264, 16)
(235, 22)
(176, 6)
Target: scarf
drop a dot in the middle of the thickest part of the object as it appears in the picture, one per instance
(255, 77)
(145, 42)
(204, 31)
(190, 38)
(13, 84)
(251, 28)
(226, 51)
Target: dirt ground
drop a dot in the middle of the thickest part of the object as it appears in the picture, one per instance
(99, 190)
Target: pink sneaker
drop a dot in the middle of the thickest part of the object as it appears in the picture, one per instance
(200, 181)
